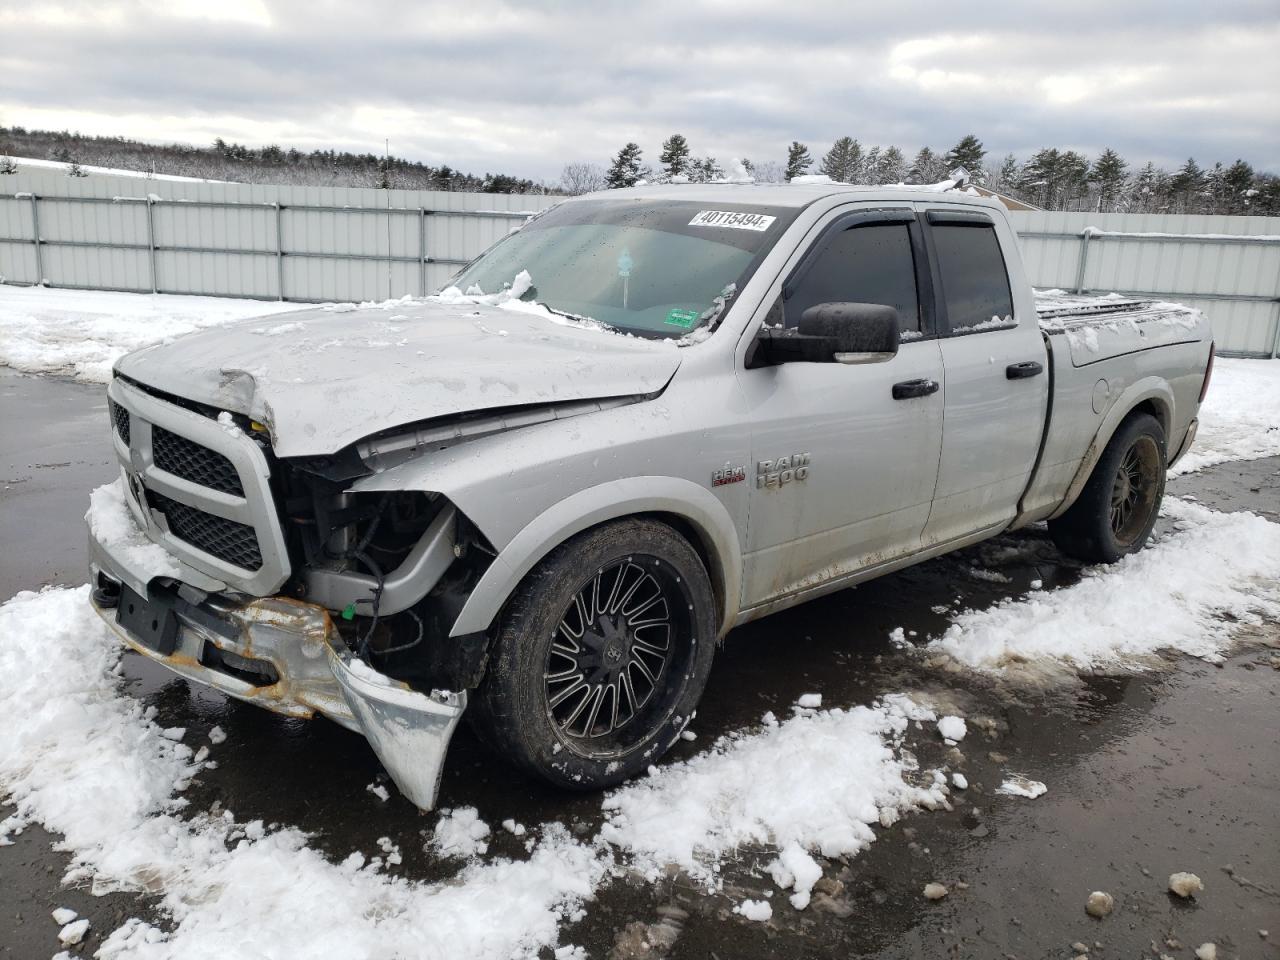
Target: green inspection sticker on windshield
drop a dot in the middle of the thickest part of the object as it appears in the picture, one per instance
(682, 318)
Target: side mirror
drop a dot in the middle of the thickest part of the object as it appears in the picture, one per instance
(832, 333)
(857, 332)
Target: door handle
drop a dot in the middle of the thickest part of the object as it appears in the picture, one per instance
(1020, 371)
(914, 388)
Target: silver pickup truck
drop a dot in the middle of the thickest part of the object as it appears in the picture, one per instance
(643, 418)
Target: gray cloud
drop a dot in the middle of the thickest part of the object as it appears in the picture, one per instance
(526, 88)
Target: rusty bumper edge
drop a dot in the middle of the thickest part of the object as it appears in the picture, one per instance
(409, 731)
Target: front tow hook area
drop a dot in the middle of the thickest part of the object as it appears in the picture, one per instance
(408, 730)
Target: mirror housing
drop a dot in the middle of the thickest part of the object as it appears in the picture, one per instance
(840, 332)
(858, 332)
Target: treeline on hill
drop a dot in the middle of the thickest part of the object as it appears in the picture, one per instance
(1052, 179)
(241, 164)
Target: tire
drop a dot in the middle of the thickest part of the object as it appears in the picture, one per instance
(1120, 503)
(588, 682)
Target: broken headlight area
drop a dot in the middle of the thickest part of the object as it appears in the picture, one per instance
(394, 570)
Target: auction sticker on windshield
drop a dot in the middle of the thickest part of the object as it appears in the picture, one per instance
(732, 220)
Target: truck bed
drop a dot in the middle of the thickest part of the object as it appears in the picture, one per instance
(1099, 327)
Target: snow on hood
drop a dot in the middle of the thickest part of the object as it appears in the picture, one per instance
(322, 379)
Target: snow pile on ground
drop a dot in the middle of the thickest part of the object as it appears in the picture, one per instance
(81, 758)
(81, 333)
(758, 910)
(953, 729)
(1016, 785)
(1170, 596)
(460, 833)
(1240, 416)
(816, 782)
(113, 525)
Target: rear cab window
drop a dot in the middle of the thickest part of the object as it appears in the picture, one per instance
(975, 294)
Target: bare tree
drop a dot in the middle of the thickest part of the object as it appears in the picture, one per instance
(578, 178)
(766, 171)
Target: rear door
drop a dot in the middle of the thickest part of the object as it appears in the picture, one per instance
(997, 388)
(843, 471)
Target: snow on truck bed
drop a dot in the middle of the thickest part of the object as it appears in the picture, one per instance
(1096, 327)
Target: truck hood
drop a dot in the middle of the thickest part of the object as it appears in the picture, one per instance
(321, 379)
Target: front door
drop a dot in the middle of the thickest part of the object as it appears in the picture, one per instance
(843, 473)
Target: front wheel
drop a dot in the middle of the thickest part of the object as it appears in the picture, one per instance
(601, 656)
(1118, 507)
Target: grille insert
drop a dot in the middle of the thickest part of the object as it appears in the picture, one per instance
(191, 461)
(120, 417)
(229, 541)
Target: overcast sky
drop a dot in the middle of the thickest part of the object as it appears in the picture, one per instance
(524, 88)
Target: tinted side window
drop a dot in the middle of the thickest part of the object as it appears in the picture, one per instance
(871, 264)
(975, 283)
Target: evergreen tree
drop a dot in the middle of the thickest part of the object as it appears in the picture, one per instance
(1213, 196)
(1054, 178)
(968, 153)
(625, 169)
(798, 160)
(926, 168)
(1264, 196)
(842, 163)
(7, 165)
(1074, 181)
(893, 166)
(1108, 175)
(1004, 178)
(705, 170)
(75, 170)
(1237, 180)
(1143, 190)
(675, 155)
(1187, 185)
(871, 167)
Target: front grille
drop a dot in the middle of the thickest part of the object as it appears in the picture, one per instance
(191, 461)
(234, 543)
(120, 417)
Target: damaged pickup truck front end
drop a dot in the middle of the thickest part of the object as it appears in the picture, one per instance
(271, 580)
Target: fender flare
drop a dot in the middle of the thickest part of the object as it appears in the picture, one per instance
(1138, 392)
(614, 500)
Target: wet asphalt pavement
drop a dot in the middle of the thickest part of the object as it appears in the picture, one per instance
(1174, 770)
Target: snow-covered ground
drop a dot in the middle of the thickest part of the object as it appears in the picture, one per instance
(82, 333)
(1170, 596)
(1240, 416)
(64, 167)
(86, 760)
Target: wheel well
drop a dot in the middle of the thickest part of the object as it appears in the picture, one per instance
(692, 534)
(1154, 407)
(697, 538)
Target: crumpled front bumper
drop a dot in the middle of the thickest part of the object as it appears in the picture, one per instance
(287, 656)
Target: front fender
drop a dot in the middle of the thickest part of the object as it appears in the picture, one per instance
(615, 499)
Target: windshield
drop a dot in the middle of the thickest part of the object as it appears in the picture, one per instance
(653, 268)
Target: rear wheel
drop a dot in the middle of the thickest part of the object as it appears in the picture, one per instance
(1118, 507)
(601, 656)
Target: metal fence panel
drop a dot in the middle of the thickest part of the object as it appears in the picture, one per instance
(1227, 266)
(311, 243)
